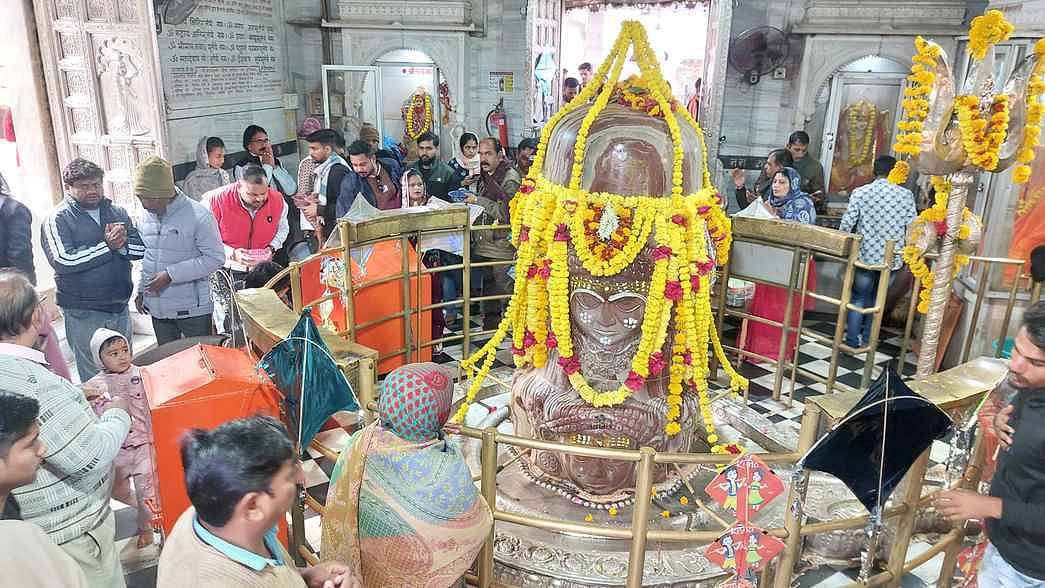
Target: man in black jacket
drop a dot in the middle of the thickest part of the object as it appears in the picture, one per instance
(16, 243)
(1014, 511)
(90, 242)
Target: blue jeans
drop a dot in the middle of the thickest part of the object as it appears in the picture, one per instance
(80, 326)
(865, 289)
(995, 571)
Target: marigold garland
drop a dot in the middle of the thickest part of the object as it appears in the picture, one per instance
(412, 132)
(860, 147)
(915, 105)
(932, 218)
(1035, 109)
(987, 30)
(547, 218)
(898, 175)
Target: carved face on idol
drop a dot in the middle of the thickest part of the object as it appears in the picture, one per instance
(606, 316)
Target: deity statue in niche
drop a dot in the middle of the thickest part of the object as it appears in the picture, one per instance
(862, 136)
(1028, 227)
(417, 114)
(628, 153)
(118, 73)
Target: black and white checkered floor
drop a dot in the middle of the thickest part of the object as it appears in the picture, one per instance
(140, 566)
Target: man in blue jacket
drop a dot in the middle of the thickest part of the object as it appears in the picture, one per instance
(182, 249)
(90, 242)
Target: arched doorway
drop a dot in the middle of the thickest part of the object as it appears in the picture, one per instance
(855, 116)
(410, 83)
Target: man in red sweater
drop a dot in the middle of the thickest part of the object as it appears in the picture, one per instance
(252, 220)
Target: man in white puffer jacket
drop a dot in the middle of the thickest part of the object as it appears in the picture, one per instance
(182, 249)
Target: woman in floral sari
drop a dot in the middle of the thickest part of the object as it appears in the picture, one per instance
(402, 509)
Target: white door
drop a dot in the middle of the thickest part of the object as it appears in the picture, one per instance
(860, 123)
(351, 97)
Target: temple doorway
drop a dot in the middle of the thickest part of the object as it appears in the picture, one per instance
(859, 105)
(400, 93)
(410, 90)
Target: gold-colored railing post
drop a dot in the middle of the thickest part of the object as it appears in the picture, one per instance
(640, 517)
(876, 319)
(843, 312)
(404, 250)
(908, 325)
(488, 487)
(1009, 305)
(785, 326)
(969, 481)
(350, 291)
(295, 287)
(367, 383)
(905, 528)
(797, 493)
(981, 291)
(466, 293)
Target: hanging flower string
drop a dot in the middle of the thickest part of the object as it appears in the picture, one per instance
(915, 107)
(549, 218)
(1035, 109)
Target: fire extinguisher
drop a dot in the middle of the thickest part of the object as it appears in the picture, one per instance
(498, 119)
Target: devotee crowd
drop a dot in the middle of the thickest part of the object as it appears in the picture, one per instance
(67, 448)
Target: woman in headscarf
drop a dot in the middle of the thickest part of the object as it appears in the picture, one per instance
(466, 164)
(416, 194)
(402, 509)
(789, 203)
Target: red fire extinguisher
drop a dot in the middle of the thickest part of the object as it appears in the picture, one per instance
(498, 119)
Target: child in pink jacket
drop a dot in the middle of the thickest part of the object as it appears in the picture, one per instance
(121, 379)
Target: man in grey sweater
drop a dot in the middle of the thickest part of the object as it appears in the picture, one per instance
(69, 499)
(182, 249)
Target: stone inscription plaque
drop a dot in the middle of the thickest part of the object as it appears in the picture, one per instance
(223, 52)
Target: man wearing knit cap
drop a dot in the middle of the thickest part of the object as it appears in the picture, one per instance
(182, 249)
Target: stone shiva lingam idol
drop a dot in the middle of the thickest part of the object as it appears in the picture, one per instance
(618, 231)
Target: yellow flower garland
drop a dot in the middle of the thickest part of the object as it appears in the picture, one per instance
(413, 133)
(548, 217)
(860, 147)
(915, 106)
(982, 138)
(987, 30)
(931, 217)
(1035, 109)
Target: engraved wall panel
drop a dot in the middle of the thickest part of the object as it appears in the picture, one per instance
(101, 72)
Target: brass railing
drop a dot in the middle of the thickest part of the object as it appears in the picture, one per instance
(986, 267)
(639, 533)
(405, 228)
(805, 243)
